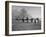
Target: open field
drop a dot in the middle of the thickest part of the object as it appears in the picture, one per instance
(26, 26)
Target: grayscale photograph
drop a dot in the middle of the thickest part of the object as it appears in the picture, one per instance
(26, 18)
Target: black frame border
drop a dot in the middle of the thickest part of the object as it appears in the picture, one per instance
(7, 17)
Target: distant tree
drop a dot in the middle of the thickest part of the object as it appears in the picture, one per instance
(23, 12)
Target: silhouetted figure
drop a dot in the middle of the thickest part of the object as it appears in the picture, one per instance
(31, 20)
(27, 19)
(36, 20)
(22, 19)
(16, 18)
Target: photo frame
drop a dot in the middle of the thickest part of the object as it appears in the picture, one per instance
(24, 18)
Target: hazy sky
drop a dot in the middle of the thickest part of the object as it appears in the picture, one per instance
(30, 11)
